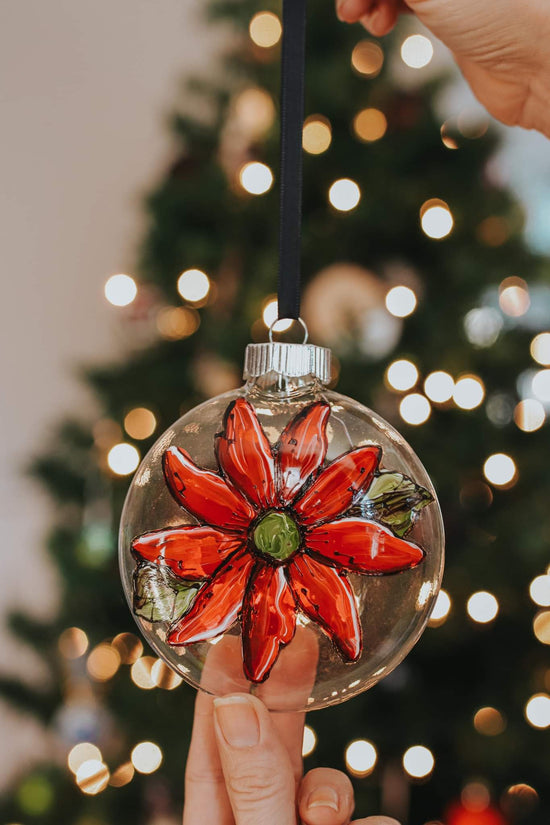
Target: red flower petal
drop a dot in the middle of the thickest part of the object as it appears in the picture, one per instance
(269, 620)
(204, 494)
(335, 489)
(217, 604)
(191, 552)
(326, 597)
(363, 546)
(244, 454)
(302, 449)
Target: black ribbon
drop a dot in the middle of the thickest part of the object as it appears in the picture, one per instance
(292, 117)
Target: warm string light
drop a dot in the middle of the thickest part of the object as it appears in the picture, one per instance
(316, 134)
(541, 385)
(103, 662)
(141, 672)
(469, 392)
(265, 29)
(122, 775)
(417, 51)
(500, 470)
(361, 757)
(367, 58)
(401, 375)
(73, 643)
(370, 125)
(120, 290)
(540, 348)
(448, 135)
(539, 590)
(175, 323)
(475, 797)
(194, 285)
(441, 609)
(514, 297)
(146, 757)
(529, 415)
(128, 647)
(482, 607)
(83, 752)
(439, 386)
(418, 762)
(519, 800)
(344, 194)
(541, 627)
(401, 301)
(123, 459)
(537, 711)
(489, 721)
(92, 777)
(415, 409)
(270, 314)
(309, 741)
(164, 677)
(254, 112)
(436, 219)
(140, 423)
(256, 178)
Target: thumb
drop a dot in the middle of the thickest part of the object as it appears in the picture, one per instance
(256, 766)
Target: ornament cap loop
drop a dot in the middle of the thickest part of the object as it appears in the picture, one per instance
(299, 321)
(293, 360)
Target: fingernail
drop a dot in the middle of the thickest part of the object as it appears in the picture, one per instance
(376, 23)
(238, 721)
(340, 8)
(325, 797)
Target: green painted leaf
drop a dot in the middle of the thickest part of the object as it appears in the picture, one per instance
(159, 596)
(395, 500)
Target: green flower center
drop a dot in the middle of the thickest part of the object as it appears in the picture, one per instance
(277, 535)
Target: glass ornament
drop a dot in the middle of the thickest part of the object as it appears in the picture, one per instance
(282, 539)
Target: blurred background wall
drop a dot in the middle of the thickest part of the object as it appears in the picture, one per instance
(84, 90)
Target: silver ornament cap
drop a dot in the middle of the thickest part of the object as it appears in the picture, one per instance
(292, 360)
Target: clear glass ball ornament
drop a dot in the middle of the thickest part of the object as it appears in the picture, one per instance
(282, 539)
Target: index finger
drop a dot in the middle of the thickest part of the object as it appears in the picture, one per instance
(205, 794)
(378, 16)
(289, 686)
(206, 798)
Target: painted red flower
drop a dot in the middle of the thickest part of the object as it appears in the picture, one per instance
(273, 537)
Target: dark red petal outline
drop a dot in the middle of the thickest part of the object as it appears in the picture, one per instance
(326, 596)
(302, 449)
(244, 454)
(363, 546)
(204, 494)
(268, 621)
(217, 605)
(190, 552)
(334, 490)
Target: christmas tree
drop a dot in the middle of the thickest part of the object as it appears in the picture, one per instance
(416, 274)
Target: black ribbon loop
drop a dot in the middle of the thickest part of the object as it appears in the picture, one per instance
(292, 117)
